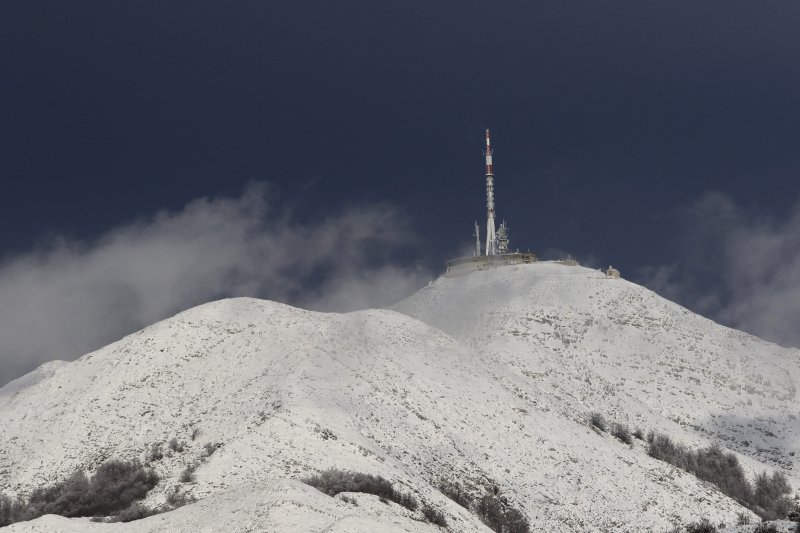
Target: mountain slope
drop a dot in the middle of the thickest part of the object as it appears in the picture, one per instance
(715, 382)
(486, 380)
(285, 391)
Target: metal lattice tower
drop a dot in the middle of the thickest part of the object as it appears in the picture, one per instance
(491, 238)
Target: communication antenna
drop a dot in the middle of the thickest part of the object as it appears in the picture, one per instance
(491, 243)
(502, 239)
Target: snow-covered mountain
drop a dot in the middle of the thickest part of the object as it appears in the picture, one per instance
(486, 379)
(630, 345)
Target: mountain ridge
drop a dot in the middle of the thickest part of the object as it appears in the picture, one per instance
(487, 379)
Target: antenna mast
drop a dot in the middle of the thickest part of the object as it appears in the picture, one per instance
(477, 239)
(491, 245)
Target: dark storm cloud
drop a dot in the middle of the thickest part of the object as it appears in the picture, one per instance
(738, 265)
(67, 298)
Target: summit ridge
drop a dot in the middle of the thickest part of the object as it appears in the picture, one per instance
(486, 379)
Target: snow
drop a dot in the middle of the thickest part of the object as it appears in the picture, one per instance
(716, 383)
(486, 379)
(31, 378)
(271, 505)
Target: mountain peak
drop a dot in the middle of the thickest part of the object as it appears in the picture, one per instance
(487, 380)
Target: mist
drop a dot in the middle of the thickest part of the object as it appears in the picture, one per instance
(737, 265)
(66, 297)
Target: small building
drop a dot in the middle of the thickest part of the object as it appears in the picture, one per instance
(465, 265)
(612, 272)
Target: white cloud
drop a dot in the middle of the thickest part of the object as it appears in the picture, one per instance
(67, 298)
(739, 266)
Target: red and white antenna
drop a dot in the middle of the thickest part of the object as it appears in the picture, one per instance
(491, 238)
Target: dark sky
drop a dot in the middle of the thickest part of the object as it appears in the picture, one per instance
(605, 114)
(607, 117)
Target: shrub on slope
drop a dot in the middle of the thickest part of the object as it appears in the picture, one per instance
(767, 496)
(434, 516)
(766, 528)
(493, 509)
(495, 512)
(11, 510)
(621, 432)
(135, 512)
(770, 493)
(456, 492)
(114, 487)
(703, 526)
(187, 476)
(597, 420)
(334, 481)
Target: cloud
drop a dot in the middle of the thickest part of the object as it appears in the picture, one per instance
(740, 266)
(67, 298)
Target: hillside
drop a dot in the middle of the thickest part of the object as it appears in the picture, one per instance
(612, 344)
(486, 380)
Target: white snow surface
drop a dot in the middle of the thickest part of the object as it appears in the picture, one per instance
(486, 379)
